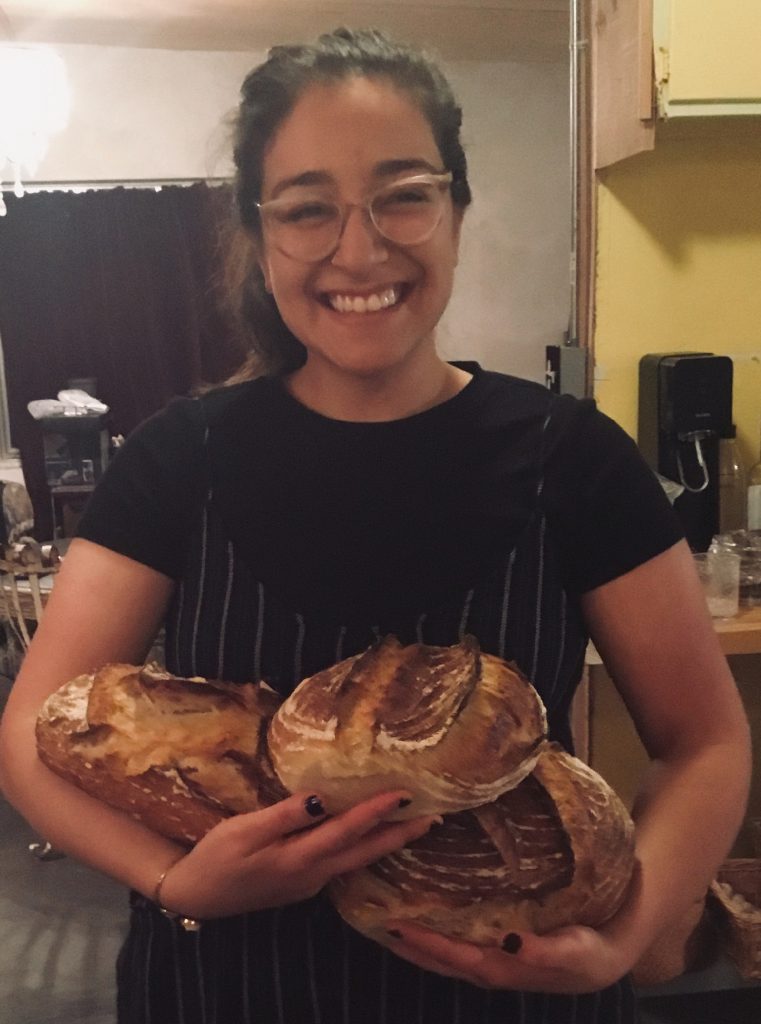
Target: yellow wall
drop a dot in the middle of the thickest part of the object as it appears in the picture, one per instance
(679, 264)
(679, 268)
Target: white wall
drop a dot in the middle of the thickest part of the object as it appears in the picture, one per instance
(159, 114)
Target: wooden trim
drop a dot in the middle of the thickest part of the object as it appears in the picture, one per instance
(622, 70)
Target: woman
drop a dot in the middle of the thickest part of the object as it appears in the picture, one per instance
(364, 486)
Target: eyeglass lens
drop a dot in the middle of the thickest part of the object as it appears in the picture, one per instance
(310, 227)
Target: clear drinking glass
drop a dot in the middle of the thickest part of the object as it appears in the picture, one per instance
(719, 572)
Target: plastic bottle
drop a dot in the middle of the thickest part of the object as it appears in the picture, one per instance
(754, 497)
(733, 491)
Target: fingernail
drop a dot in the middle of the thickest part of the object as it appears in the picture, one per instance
(405, 802)
(313, 806)
(394, 933)
(512, 943)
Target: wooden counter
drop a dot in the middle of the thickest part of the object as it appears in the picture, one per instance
(742, 633)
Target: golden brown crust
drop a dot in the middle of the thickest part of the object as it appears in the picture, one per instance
(453, 726)
(178, 754)
(556, 850)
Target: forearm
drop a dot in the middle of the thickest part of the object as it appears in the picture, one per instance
(84, 828)
(687, 816)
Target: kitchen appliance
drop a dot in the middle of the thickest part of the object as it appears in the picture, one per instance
(685, 408)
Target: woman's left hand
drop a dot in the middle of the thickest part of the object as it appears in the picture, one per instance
(572, 959)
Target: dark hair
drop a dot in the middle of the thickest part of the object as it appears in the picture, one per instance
(268, 95)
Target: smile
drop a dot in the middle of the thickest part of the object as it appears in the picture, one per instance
(364, 303)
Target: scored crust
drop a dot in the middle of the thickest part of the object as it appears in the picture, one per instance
(453, 726)
(556, 850)
(178, 754)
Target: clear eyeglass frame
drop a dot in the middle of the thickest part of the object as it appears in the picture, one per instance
(311, 243)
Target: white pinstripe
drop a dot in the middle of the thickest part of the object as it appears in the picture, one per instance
(522, 1008)
(259, 632)
(246, 998)
(345, 974)
(298, 649)
(340, 644)
(199, 969)
(465, 614)
(147, 971)
(177, 976)
(561, 645)
(313, 989)
(456, 1003)
(225, 610)
(505, 603)
(574, 1009)
(178, 631)
(539, 594)
(383, 995)
(201, 582)
(419, 628)
(276, 966)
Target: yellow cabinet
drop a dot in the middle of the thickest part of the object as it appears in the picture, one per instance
(707, 57)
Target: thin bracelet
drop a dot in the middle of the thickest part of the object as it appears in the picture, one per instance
(190, 924)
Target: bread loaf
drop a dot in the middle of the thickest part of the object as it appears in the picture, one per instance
(558, 849)
(179, 754)
(453, 726)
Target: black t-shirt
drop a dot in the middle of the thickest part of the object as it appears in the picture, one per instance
(407, 508)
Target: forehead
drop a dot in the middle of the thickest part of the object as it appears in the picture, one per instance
(348, 129)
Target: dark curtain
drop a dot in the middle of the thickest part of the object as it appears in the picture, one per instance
(119, 285)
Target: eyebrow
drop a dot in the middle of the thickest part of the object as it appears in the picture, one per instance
(384, 169)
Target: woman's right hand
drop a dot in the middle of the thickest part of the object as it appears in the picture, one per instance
(283, 854)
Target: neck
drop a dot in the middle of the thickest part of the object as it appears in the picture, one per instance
(379, 397)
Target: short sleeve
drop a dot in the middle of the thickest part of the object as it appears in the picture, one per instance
(147, 501)
(606, 509)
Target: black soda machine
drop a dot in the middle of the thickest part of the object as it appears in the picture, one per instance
(685, 408)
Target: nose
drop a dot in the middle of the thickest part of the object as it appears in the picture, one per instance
(360, 244)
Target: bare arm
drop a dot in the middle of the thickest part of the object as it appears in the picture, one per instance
(656, 638)
(104, 608)
(658, 643)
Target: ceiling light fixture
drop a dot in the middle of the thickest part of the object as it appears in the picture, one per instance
(36, 103)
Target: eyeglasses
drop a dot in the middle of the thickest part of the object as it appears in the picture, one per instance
(309, 228)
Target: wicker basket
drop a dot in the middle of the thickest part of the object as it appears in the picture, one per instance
(736, 899)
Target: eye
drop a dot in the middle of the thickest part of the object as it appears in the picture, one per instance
(307, 213)
(404, 197)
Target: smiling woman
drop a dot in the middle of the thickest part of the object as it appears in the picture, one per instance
(353, 485)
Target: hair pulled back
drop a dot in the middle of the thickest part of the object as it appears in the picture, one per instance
(268, 95)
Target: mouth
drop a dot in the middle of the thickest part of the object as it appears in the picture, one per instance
(369, 302)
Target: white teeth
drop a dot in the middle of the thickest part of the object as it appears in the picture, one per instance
(364, 304)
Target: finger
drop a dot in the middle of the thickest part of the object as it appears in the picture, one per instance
(381, 842)
(346, 829)
(562, 950)
(455, 958)
(257, 829)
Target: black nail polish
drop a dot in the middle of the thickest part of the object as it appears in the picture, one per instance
(394, 933)
(405, 802)
(512, 943)
(313, 806)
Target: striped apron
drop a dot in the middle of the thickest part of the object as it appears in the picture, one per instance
(300, 964)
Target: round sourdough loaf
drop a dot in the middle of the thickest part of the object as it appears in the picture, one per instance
(180, 755)
(453, 726)
(556, 850)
